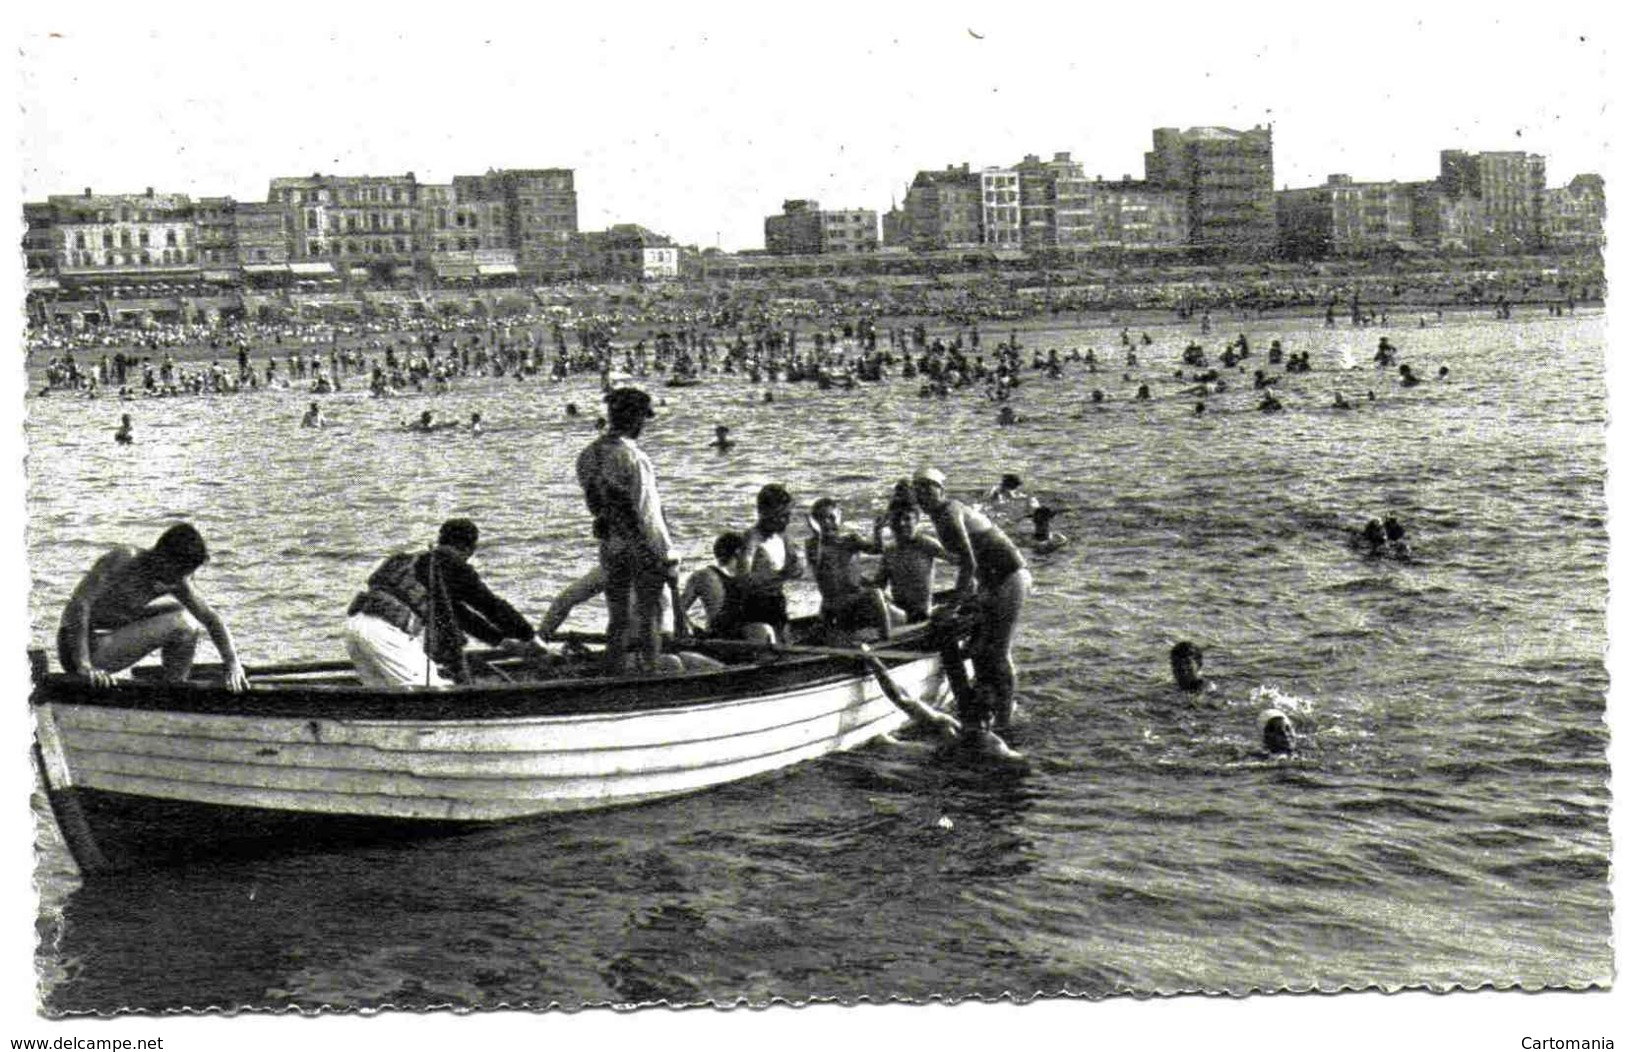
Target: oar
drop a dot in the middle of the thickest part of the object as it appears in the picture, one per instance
(749, 646)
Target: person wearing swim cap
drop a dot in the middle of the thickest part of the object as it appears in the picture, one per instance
(634, 545)
(992, 575)
(1280, 738)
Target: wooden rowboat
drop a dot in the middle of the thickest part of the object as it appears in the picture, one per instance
(149, 772)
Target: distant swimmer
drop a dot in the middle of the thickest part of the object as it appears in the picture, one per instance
(722, 443)
(125, 433)
(476, 424)
(1444, 371)
(571, 409)
(424, 423)
(1407, 377)
(313, 417)
(1270, 404)
(1185, 661)
(1008, 417)
(1280, 738)
(1372, 540)
(1008, 491)
(1339, 402)
(1044, 539)
(1097, 396)
(1143, 394)
(1201, 407)
(1394, 534)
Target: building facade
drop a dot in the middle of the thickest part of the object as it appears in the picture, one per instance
(115, 235)
(943, 209)
(1346, 218)
(1228, 179)
(805, 229)
(1576, 214)
(364, 224)
(1510, 187)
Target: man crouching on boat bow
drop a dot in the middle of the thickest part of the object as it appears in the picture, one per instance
(409, 626)
(135, 601)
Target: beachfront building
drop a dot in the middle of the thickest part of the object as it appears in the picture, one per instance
(1510, 186)
(1228, 179)
(942, 210)
(1120, 214)
(1345, 218)
(1001, 207)
(627, 252)
(360, 225)
(1447, 223)
(133, 235)
(263, 232)
(535, 209)
(805, 229)
(1574, 214)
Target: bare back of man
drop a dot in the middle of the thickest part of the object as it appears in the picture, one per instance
(130, 604)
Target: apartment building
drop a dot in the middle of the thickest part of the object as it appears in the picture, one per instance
(1228, 179)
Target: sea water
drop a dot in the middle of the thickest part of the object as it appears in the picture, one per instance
(1444, 822)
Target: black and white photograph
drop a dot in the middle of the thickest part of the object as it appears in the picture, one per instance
(859, 523)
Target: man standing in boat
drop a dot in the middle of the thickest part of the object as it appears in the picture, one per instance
(409, 626)
(994, 578)
(634, 545)
(135, 601)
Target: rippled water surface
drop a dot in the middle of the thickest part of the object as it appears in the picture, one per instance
(1446, 823)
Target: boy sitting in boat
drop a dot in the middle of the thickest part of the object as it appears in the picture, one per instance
(409, 626)
(770, 561)
(908, 565)
(848, 603)
(721, 593)
(135, 601)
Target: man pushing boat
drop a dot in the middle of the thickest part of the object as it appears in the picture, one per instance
(134, 601)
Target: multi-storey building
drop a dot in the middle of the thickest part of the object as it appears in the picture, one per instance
(1001, 207)
(1575, 214)
(627, 252)
(848, 231)
(1446, 222)
(943, 209)
(794, 231)
(264, 233)
(541, 216)
(124, 235)
(1510, 186)
(1228, 178)
(363, 222)
(805, 229)
(217, 234)
(1343, 217)
(1122, 214)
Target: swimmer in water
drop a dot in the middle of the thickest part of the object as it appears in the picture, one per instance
(1280, 738)
(571, 409)
(1044, 539)
(476, 424)
(722, 443)
(1407, 377)
(1339, 402)
(313, 417)
(1185, 661)
(125, 434)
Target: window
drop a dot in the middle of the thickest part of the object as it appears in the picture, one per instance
(146, 238)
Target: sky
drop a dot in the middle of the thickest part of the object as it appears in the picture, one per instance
(699, 120)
